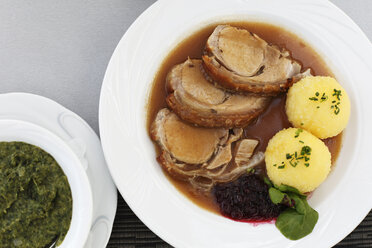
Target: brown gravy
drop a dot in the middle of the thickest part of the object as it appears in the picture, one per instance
(270, 122)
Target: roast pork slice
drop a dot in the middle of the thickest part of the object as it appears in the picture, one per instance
(186, 143)
(241, 61)
(199, 155)
(194, 99)
(244, 150)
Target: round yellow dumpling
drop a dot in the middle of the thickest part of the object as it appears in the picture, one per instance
(318, 104)
(297, 158)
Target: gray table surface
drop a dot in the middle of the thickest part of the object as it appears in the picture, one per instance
(60, 49)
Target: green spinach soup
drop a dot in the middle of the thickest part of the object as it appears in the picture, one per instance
(35, 197)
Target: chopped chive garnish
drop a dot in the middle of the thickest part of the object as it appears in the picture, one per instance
(337, 93)
(294, 158)
(306, 150)
(293, 164)
(298, 131)
(335, 107)
(323, 98)
(337, 111)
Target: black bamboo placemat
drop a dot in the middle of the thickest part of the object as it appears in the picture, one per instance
(130, 232)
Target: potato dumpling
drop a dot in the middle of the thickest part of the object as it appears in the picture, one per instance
(297, 158)
(318, 104)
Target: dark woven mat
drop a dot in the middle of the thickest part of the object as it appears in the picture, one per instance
(130, 232)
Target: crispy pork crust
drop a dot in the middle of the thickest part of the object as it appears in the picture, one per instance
(234, 110)
(274, 73)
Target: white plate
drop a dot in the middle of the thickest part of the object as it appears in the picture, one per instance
(342, 201)
(83, 141)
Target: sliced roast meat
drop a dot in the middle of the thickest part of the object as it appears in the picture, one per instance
(186, 143)
(194, 99)
(241, 61)
(199, 155)
(244, 150)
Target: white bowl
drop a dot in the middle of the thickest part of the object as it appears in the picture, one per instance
(342, 201)
(82, 204)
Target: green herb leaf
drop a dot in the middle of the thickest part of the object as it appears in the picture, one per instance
(300, 203)
(299, 219)
(267, 181)
(276, 196)
(295, 225)
(287, 188)
(287, 201)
